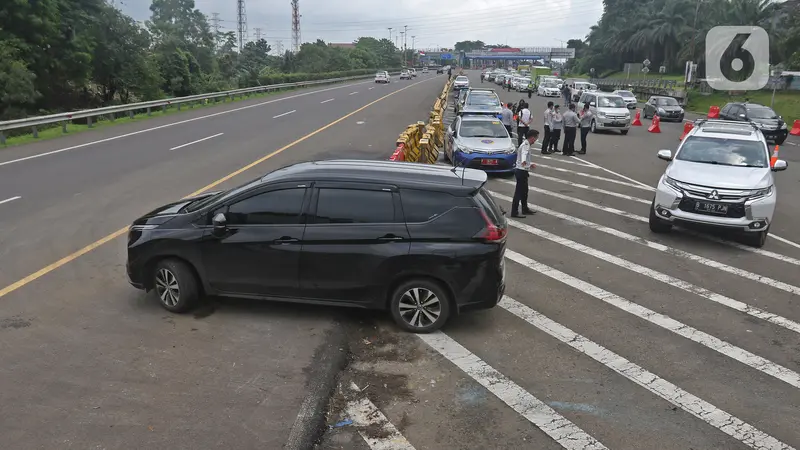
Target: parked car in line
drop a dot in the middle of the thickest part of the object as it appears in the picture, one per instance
(366, 234)
(382, 77)
(522, 84)
(461, 82)
(610, 111)
(720, 176)
(771, 124)
(459, 100)
(484, 102)
(548, 89)
(480, 142)
(666, 108)
(439, 69)
(413, 71)
(628, 97)
(405, 75)
(425, 69)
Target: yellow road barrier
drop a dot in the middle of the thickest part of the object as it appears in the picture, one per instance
(420, 141)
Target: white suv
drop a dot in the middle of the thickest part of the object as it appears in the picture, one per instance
(720, 176)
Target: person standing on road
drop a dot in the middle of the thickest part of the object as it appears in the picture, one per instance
(525, 118)
(522, 173)
(556, 124)
(548, 117)
(586, 125)
(506, 116)
(571, 124)
(565, 92)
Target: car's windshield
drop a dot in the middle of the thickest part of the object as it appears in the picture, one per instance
(482, 129)
(490, 100)
(610, 102)
(727, 152)
(549, 84)
(462, 79)
(666, 102)
(202, 203)
(760, 112)
(625, 94)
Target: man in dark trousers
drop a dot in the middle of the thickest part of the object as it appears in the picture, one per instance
(521, 173)
(525, 118)
(586, 125)
(548, 116)
(571, 124)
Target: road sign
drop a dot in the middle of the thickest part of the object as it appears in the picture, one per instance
(447, 56)
(646, 62)
(645, 70)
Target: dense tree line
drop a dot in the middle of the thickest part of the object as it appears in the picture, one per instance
(58, 55)
(664, 31)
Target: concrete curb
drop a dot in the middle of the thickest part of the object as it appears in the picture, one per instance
(329, 359)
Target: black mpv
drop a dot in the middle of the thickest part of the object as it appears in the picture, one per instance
(423, 241)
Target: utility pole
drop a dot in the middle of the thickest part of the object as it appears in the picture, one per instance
(390, 33)
(296, 25)
(402, 46)
(241, 22)
(258, 33)
(413, 46)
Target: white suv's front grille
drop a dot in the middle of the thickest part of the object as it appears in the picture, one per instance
(724, 195)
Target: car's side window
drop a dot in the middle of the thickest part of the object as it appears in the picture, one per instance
(726, 110)
(280, 207)
(422, 206)
(354, 206)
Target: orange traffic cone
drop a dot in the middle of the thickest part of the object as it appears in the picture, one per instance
(774, 156)
(795, 128)
(637, 120)
(713, 112)
(655, 127)
(687, 127)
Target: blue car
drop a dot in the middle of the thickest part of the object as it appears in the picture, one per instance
(480, 142)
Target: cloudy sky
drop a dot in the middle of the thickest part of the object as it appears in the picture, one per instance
(434, 23)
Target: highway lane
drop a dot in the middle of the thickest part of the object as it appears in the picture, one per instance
(610, 336)
(113, 182)
(103, 365)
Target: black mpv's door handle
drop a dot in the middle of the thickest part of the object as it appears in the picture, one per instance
(285, 240)
(390, 237)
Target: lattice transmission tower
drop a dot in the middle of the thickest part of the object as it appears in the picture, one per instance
(241, 22)
(296, 25)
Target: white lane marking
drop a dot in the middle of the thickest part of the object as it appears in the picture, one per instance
(784, 240)
(195, 142)
(565, 161)
(608, 180)
(328, 100)
(760, 251)
(10, 199)
(591, 188)
(703, 410)
(614, 173)
(356, 92)
(285, 114)
(664, 278)
(373, 87)
(764, 365)
(365, 414)
(559, 428)
(147, 130)
(729, 302)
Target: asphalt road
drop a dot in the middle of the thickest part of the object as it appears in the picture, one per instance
(90, 362)
(609, 337)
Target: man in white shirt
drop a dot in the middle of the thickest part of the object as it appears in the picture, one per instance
(521, 173)
(525, 118)
(548, 116)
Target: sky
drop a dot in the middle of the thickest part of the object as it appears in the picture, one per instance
(433, 24)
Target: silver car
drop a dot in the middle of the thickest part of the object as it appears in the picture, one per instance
(628, 97)
(610, 111)
(720, 176)
(461, 82)
(484, 102)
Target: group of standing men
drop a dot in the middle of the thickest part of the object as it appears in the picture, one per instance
(554, 123)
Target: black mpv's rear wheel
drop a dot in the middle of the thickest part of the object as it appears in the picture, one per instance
(420, 306)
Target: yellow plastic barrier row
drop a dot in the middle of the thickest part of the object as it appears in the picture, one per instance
(421, 141)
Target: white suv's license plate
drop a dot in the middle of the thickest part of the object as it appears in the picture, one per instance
(713, 208)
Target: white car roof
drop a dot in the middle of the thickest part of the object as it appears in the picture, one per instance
(725, 129)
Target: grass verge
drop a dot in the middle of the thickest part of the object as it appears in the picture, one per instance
(55, 131)
(787, 103)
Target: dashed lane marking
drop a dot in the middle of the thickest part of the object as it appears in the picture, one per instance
(365, 414)
(328, 100)
(10, 199)
(197, 141)
(559, 428)
(285, 114)
(708, 413)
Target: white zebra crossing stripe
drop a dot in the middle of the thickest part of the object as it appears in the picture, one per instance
(726, 301)
(668, 323)
(365, 414)
(725, 422)
(559, 428)
(596, 177)
(592, 188)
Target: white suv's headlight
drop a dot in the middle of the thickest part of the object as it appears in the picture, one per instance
(672, 183)
(761, 193)
(601, 114)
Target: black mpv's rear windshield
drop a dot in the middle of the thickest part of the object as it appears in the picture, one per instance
(487, 203)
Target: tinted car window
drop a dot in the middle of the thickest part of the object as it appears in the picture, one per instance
(422, 206)
(726, 152)
(354, 206)
(269, 208)
(760, 112)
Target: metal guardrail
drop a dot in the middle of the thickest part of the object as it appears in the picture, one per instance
(130, 108)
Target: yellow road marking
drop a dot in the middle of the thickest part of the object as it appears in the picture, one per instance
(71, 257)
